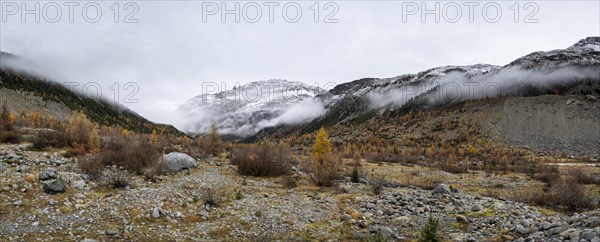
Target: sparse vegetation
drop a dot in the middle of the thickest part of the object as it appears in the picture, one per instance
(262, 160)
(377, 184)
(7, 133)
(378, 236)
(564, 194)
(211, 144)
(238, 195)
(91, 166)
(429, 232)
(115, 178)
(49, 139)
(210, 197)
(289, 182)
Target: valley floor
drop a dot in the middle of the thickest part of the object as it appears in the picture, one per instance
(260, 209)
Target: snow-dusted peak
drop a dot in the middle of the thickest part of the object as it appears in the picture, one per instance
(244, 109)
(586, 52)
(588, 44)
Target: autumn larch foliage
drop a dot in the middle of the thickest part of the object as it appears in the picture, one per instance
(82, 132)
(212, 143)
(324, 165)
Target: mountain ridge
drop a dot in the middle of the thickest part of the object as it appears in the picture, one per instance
(22, 84)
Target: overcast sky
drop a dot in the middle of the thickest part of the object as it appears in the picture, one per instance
(171, 51)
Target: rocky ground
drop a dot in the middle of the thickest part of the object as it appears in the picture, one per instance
(254, 209)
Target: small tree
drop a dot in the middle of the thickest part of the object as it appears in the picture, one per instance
(153, 137)
(324, 164)
(429, 231)
(213, 142)
(322, 146)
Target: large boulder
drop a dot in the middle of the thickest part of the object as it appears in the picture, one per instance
(177, 161)
(54, 186)
(441, 189)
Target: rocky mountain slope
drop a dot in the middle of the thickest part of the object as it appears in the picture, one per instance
(246, 109)
(26, 92)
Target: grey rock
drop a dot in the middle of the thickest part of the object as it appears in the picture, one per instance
(385, 230)
(595, 239)
(54, 186)
(569, 233)
(23, 168)
(79, 185)
(3, 167)
(545, 225)
(204, 214)
(476, 208)
(345, 217)
(155, 213)
(48, 174)
(587, 234)
(556, 230)
(89, 240)
(176, 161)
(111, 232)
(521, 229)
(441, 189)
(461, 219)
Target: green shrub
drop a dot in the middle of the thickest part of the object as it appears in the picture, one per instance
(429, 231)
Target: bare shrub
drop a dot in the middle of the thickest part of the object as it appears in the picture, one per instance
(210, 197)
(91, 166)
(548, 174)
(134, 154)
(289, 182)
(572, 196)
(262, 160)
(77, 150)
(581, 177)
(152, 171)
(377, 184)
(49, 138)
(10, 137)
(565, 195)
